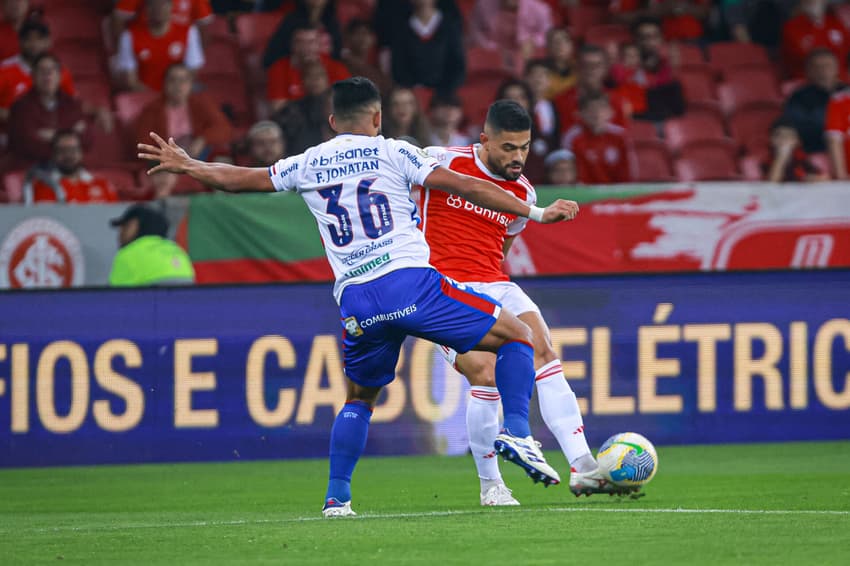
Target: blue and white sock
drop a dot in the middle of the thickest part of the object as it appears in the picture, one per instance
(515, 382)
(348, 439)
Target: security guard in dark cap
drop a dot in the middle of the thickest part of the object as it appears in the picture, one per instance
(147, 256)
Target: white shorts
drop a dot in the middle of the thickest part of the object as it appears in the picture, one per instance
(512, 297)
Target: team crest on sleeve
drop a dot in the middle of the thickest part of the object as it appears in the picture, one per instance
(352, 327)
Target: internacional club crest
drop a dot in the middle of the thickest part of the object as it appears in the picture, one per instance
(41, 253)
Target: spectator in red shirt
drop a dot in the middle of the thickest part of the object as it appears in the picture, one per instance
(15, 72)
(317, 14)
(40, 113)
(183, 12)
(284, 77)
(814, 26)
(599, 146)
(593, 69)
(193, 120)
(65, 180)
(787, 162)
(838, 133)
(682, 20)
(148, 48)
(15, 13)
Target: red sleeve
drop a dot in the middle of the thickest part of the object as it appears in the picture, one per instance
(792, 51)
(835, 116)
(201, 9)
(42, 193)
(66, 83)
(128, 6)
(7, 93)
(277, 86)
(337, 71)
(624, 169)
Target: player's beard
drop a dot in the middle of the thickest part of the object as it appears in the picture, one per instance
(507, 173)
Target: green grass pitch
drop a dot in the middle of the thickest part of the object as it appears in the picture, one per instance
(741, 504)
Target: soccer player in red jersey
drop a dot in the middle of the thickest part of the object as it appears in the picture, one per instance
(468, 244)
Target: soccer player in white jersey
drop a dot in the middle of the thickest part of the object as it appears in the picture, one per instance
(468, 243)
(357, 186)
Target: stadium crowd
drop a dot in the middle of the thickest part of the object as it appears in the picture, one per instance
(619, 90)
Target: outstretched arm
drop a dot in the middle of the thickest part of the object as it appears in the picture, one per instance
(171, 157)
(490, 195)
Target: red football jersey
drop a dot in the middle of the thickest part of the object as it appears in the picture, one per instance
(153, 55)
(566, 105)
(85, 189)
(600, 158)
(838, 120)
(183, 12)
(16, 80)
(467, 240)
(800, 35)
(285, 82)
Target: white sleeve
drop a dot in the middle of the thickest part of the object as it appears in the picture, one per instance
(414, 163)
(519, 224)
(125, 60)
(284, 173)
(194, 59)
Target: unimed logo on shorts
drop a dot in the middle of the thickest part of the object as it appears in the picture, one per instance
(40, 252)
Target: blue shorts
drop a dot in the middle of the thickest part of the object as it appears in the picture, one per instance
(378, 315)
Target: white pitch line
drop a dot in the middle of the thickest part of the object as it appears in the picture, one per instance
(448, 513)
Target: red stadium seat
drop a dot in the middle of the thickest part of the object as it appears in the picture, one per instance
(750, 127)
(641, 130)
(652, 162)
(750, 166)
(112, 149)
(584, 16)
(477, 94)
(231, 97)
(82, 59)
(128, 105)
(745, 91)
(732, 53)
(219, 30)
(706, 162)
(686, 54)
(254, 30)
(692, 128)
(94, 90)
(753, 73)
(843, 12)
(480, 59)
(13, 183)
(222, 60)
(353, 9)
(74, 20)
(607, 35)
(697, 83)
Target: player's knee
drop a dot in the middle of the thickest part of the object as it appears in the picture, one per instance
(479, 371)
(543, 353)
(365, 394)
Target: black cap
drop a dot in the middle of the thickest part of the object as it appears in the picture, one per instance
(151, 222)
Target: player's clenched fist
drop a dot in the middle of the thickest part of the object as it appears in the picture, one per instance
(560, 210)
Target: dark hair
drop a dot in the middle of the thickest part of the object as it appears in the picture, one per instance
(64, 133)
(646, 20)
(507, 116)
(591, 49)
(553, 30)
(818, 52)
(353, 95)
(177, 65)
(503, 89)
(586, 99)
(445, 100)
(533, 63)
(33, 26)
(357, 23)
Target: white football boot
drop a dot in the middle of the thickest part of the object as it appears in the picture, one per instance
(335, 508)
(588, 483)
(498, 495)
(525, 453)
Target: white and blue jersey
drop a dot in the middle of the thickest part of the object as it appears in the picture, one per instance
(358, 189)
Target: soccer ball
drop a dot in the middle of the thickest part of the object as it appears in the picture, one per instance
(628, 459)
